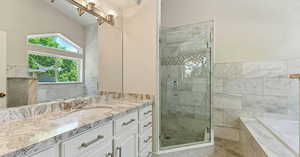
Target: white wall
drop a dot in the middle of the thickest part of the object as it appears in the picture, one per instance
(140, 48)
(139, 36)
(245, 30)
(110, 44)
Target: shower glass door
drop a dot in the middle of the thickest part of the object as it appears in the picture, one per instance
(185, 84)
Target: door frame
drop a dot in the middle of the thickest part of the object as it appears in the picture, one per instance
(3, 71)
(156, 115)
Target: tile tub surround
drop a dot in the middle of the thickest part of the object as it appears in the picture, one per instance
(25, 136)
(287, 131)
(255, 89)
(296, 75)
(258, 141)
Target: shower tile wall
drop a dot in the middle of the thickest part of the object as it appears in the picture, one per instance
(185, 82)
(253, 89)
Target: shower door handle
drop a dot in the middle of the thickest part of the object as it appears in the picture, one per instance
(119, 149)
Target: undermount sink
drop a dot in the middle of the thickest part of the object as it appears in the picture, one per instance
(93, 108)
(86, 112)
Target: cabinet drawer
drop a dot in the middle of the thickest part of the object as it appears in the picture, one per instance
(145, 113)
(88, 142)
(147, 151)
(129, 121)
(145, 140)
(145, 125)
(52, 152)
(103, 151)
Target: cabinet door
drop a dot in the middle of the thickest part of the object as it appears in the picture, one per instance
(127, 145)
(104, 151)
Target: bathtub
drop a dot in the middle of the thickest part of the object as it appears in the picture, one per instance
(286, 131)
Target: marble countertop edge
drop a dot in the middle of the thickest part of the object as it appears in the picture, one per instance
(47, 142)
(51, 141)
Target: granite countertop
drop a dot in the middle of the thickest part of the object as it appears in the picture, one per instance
(271, 146)
(24, 137)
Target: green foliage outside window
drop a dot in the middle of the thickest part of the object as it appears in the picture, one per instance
(68, 70)
(46, 41)
(52, 69)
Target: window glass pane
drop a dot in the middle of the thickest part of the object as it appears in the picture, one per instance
(43, 67)
(67, 70)
(53, 42)
(54, 69)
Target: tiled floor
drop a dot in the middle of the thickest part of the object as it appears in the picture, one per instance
(226, 148)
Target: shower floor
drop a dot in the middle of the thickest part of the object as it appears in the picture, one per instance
(168, 139)
(181, 130)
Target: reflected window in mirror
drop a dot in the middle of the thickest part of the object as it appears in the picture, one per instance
(56, 41)
(51, 59)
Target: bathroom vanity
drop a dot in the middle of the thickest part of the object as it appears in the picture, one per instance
(120, 128)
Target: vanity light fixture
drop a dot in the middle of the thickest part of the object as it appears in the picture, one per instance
(89, 6)
(80, 11)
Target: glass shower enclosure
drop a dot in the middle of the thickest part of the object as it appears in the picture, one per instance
(185, 85)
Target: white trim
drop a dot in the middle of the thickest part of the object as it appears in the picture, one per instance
(55, 34)
(58, 83)
(51, 55)
(156, 127)
(156, 114)
(185, 148)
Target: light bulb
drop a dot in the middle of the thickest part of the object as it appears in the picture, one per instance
(91, 1)
(91, 4)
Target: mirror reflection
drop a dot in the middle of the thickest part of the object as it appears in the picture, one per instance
(49, 51)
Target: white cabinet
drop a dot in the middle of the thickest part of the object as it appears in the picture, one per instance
(127, 145)
(126, 136)
(90, 142)
(126, 139)
(145, 113)
(103, 151)
(147, 152)
(52, 152)
(145, 132)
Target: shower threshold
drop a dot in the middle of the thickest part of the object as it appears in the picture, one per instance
(185, 147)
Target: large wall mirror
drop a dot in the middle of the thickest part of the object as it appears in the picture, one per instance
(48, 52)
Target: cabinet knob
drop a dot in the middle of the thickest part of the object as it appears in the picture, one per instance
(2, 94)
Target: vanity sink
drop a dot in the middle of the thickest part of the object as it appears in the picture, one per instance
(92, 107)
(86, 113)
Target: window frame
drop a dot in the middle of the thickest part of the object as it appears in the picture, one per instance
(58, 53)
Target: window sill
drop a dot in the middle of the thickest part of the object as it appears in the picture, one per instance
(58, 83)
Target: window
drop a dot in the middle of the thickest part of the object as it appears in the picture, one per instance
(56, 41)
(58, 65)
